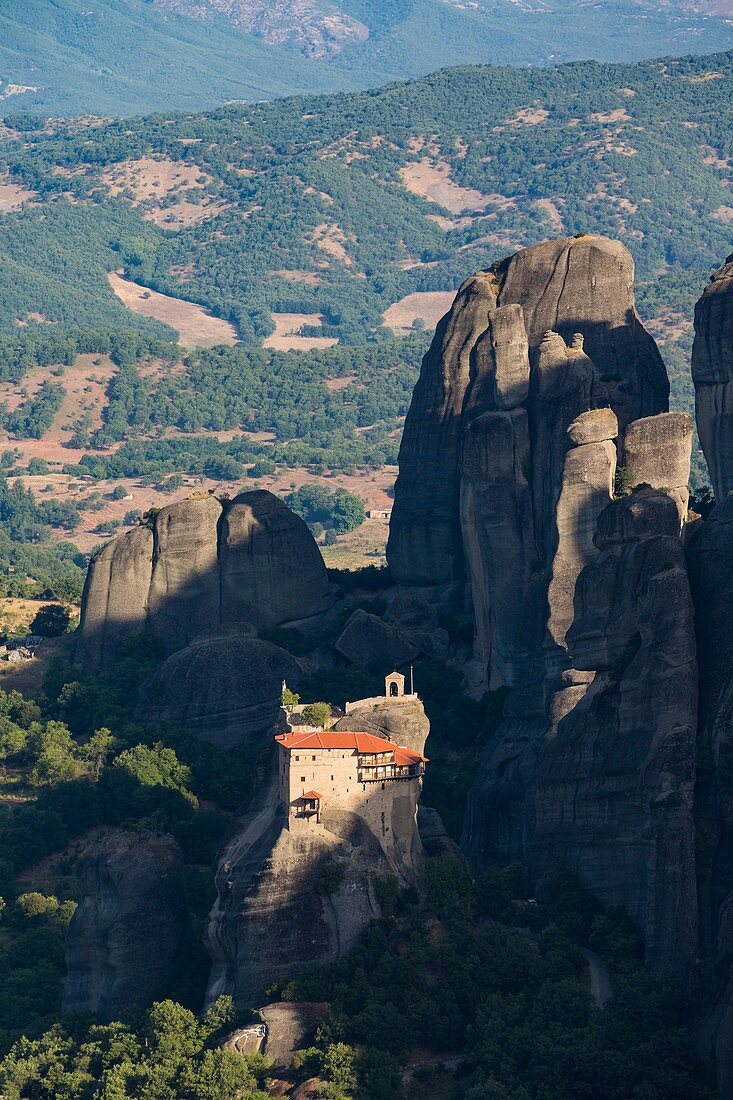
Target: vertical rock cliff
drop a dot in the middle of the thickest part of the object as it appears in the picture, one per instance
(129, 935)
(712, 374)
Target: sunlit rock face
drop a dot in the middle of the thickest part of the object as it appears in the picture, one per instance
(200, 564)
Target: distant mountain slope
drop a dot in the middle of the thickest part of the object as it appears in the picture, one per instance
(124, 57)
(109, 57)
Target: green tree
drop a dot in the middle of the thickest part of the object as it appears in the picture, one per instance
(317, 714)
(51, 621)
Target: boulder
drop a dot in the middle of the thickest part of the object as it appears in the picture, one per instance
(712, 374)
(129, 936)
(593, 426)
(199, 565)
(225, 687)
(368, 641)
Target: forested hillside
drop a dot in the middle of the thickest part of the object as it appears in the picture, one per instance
(122, 57)
(197, 299)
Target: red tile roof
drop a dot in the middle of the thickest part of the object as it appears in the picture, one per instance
(347, 739)
(312, 794)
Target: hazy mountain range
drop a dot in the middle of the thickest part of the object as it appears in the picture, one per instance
(131, 56)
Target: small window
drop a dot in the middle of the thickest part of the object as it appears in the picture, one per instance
(302, 779)
(332, 779)
(297, 758)
(312, 757)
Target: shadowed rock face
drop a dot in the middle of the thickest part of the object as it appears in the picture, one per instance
(712, 373)
(586, 285)
(128, 936)
(424, 540)
(615, 776)
(225, 687)
(271, 916)
(202, 564)
(405, 722)
(710, 563)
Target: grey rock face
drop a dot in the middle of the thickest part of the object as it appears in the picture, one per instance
(404, 722)
(271, 568)
(114, 603)
(615, 777)
(199, 566)
(710, 563)
(424, 540)
(657, 452)
(128, 937)
(367, 640)
(712, 373)
(271, 918)
(586, 285)
(579, 289)
(225, 687)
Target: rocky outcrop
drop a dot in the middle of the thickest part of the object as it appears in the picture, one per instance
(369, 642)
(578, 289)
(710, 562)
(657, 453)
(616, 771)
(199, 564)
(129, 935)
(424, 539)
(225, 687)
(585, 285)
(712, 374)
(403, 721)
(287, 899)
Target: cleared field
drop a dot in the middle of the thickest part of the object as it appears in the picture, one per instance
(12, 196)
(286, 336)
(429, 306)
(196, 327)
(431, 180)
(165, 190)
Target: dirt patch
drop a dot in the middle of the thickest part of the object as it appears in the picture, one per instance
(336, 385)
(28, 676)
(13, 196)
(287, 335)
(619, 114)
(171, 193)
(553, 216)
(431, 180)
(714, 159)
(723, 214)
(703, 78)
(428, 305)
(331, 239)
(297, 276)
(528, 116)
(196, 327)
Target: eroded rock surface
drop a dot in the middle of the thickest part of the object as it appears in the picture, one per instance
(129, 935)
(275, 910)
(712, 373)
(225, 687)
(198, 565)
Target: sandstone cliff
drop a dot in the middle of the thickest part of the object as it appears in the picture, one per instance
(128, 937)
(225, 686)
(199, 564)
